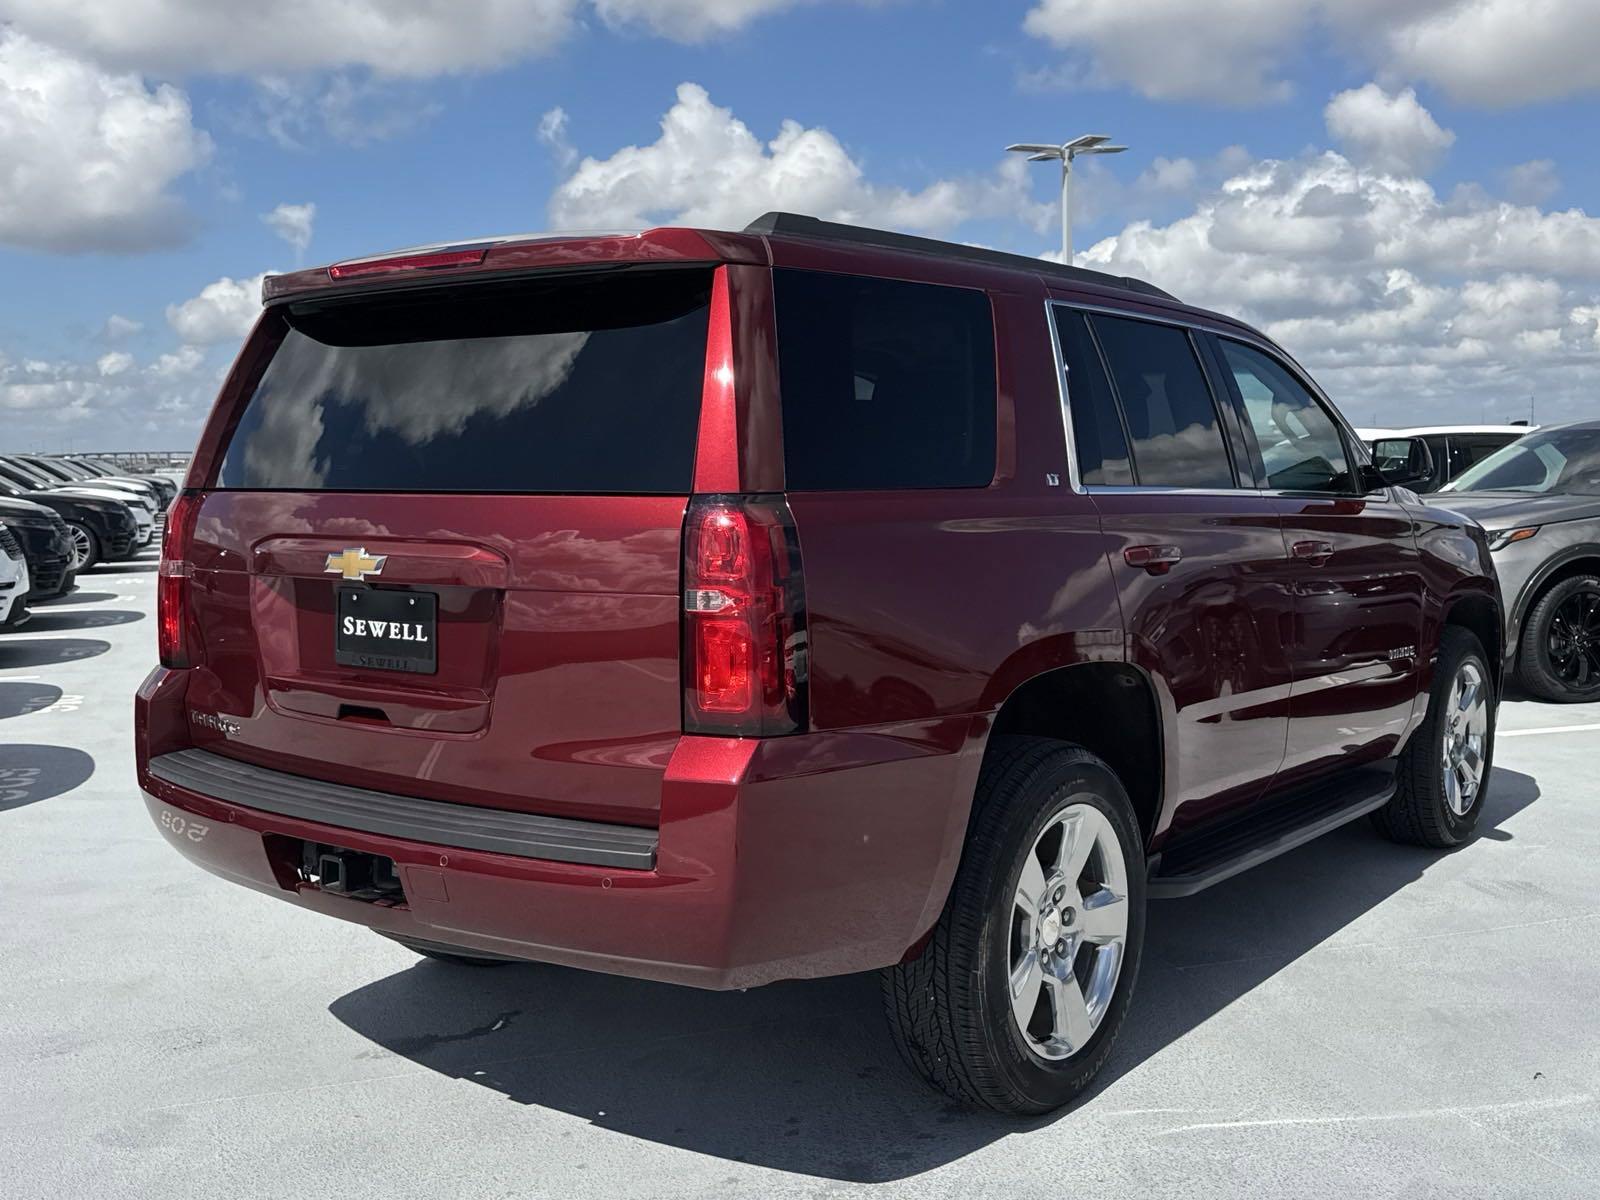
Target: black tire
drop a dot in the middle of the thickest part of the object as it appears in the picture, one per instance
(446, 954)
(84, 536)
(1539, 669)
(949, 1009)
(1420, 813)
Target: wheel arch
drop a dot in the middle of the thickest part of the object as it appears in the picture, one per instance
(1479, 614)
(1573, 560)
(1110, 709)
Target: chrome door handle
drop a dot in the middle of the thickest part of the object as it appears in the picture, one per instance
(1157, 560)
(1313, 552)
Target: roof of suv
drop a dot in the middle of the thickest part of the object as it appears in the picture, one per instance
(1369, 433)
(668, 244)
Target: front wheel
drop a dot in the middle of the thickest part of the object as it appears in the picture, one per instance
(1443, 773)
(1017, 999)
(1559, 657)
(85, 546)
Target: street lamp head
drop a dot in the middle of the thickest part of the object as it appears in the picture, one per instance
(1087, 140)
(1102, 150)
(1039, 150)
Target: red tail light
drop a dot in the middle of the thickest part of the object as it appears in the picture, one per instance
(172, 583)
(744, 618)
(433, 261)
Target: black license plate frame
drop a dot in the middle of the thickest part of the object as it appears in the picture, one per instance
(412, 649)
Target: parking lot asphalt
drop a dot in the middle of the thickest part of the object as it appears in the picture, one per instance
(1353, 1019)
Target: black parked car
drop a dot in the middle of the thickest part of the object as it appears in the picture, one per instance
(67, 472)
(99, 529)
(46, 544)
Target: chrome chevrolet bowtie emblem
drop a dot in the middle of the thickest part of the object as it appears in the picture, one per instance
(356, 563)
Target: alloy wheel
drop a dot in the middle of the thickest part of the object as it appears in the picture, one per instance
(1465, 737)
(82, 546)
(1069, 931)
(1574, 641)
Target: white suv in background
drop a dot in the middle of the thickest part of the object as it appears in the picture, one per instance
(1454, 447)
(14, 582)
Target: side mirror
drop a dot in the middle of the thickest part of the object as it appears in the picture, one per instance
(1399, 462)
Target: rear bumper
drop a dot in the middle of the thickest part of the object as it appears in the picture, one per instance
(774, 859)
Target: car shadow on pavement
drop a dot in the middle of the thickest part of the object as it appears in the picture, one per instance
(72, 598)
(59, 622)
(119, 568)
(802, 1077)
(29, 774)
(48, 651)
(20, 699)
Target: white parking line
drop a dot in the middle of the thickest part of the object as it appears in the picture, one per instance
(1505, 733)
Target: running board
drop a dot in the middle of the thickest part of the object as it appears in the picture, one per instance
(1266, 833)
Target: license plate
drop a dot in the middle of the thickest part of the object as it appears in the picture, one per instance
(386, 630)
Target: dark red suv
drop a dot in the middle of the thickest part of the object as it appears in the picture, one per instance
(726, 608)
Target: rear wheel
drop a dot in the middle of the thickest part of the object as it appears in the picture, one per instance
(85, 546)
(1559, 657)
(1444, 770)
(1017, 999)
(448, 954)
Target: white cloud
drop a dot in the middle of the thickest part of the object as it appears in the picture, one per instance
(293, 223)
(1391, 293)
(118, 327)
(1388, 132)
(688, 20)
(223, 311)
(1501, 52)
(1532, 182)
(708, 168)
(112, 401)
(1491, 52)
(114, 363)
(87, 159)
(1224, 51)
(416, 39)
(552, 132)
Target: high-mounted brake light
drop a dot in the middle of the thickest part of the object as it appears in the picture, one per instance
(744, 618)
(408, 262)
(173, 581)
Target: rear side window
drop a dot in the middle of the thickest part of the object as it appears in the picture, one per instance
(574, 384)
(1098, 443)
(885, 384)
(1171, 416)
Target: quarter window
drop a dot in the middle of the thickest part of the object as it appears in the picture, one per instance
(1098, 442)
(885, 384)
(1173, 430)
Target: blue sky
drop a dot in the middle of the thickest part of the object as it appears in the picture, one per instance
(428, 133)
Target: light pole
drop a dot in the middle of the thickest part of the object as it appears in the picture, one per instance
(1089, 143)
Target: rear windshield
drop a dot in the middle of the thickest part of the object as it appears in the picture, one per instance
(575, 384)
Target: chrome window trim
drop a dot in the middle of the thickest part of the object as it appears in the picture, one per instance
(1073, 481)
(1217, 329)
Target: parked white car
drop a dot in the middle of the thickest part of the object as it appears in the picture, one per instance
(14, 582)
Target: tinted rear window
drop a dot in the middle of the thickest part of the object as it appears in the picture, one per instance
(885, 384)
(1172, 419)
(576, 384)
